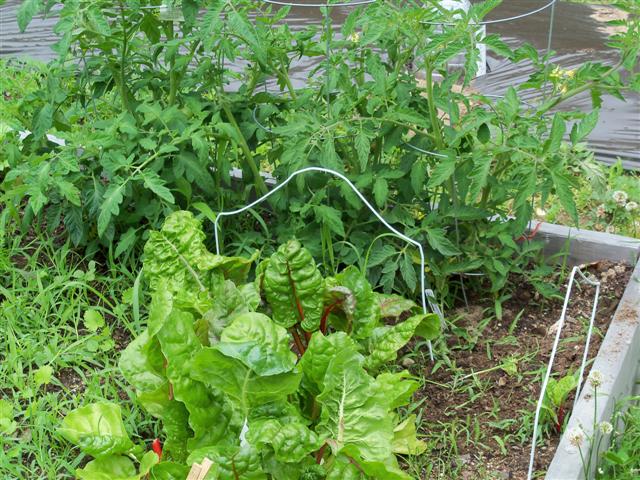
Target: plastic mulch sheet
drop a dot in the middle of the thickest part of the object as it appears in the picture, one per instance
(579, 35)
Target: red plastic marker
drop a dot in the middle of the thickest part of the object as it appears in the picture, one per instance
(156, 446)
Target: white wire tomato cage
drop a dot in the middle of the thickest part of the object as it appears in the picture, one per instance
(372, 209)
(554, 349)
(428, 297)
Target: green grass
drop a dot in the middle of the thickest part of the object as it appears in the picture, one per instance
(622, 460)
(51, 361)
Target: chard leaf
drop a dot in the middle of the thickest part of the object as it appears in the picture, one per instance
(160, 308)
(113, 467)
(404, 438)
(429, 326)
(319, 354)
(251, 295)
(97, 429)
(237, 269)
(386, 341)
(233, 463)
(259, 343)
(177, 255)
(366, 315)
(291, 441)
(387, 468)
(294, 287)
(141, 363)
(306, 470)
(117, 467)
(355, 411)
(229, 302)
(242, 385)
(338, 298)
(169, 471)
(174, 417)
(343, 469)
(398, 387)
(392, 306)
(209, 417)
(558, 390)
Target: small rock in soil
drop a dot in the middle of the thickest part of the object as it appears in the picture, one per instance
(503, 475)
(408, 362)
(553, 328)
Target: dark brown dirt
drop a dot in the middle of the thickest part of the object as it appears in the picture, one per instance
(509, 397)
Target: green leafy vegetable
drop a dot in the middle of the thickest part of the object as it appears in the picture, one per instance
(216, 367)
(97, 430)
(294, 287)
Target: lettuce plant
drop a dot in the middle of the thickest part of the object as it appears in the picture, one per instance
(280, 377)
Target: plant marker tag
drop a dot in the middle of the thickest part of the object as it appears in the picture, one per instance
(243, 434)
(194, 473)
(431, 298)
(200, 470)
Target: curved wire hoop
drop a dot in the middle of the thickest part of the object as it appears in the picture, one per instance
(254, 114)
(556, 341)
(500, 20)
(371, 208)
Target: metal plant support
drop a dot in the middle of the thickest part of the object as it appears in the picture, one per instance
(554, 349)
(427, 295)
(372, 209)
(551, 5)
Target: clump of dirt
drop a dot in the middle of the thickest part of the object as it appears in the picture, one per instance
(69, 380)
(496, 367)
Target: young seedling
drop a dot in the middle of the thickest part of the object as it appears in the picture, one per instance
(555, 398)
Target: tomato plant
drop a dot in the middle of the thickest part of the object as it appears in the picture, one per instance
(160, 105)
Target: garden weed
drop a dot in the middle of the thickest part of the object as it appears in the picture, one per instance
(51, 359)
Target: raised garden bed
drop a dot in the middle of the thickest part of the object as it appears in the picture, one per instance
(479, 403)
(617, 360)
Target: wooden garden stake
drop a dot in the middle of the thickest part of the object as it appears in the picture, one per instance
(200, 470)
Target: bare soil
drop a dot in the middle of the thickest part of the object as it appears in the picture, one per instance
(504, 408)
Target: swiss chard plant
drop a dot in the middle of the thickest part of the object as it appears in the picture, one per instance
(555, 397)
(279, 377)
